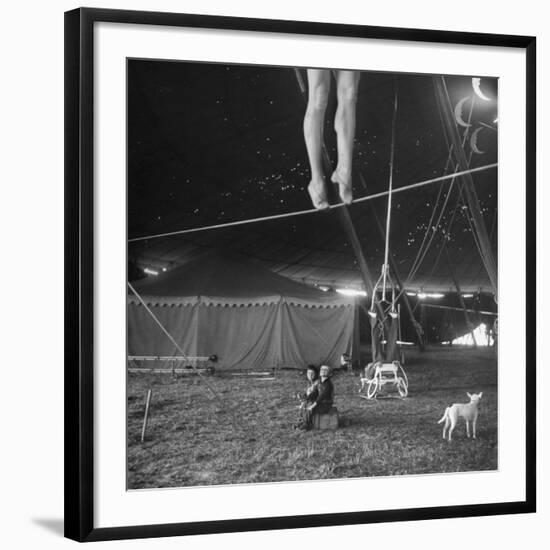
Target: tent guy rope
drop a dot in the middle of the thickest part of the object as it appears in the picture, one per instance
(220, 399)
(314, 210)
(171, 338)
(424, 250)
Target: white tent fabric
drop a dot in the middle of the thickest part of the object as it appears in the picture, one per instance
(248, 316)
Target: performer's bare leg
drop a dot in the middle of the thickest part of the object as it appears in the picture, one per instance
(319, 87)
(347, 83)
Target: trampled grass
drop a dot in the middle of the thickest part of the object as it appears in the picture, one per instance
(195, 439)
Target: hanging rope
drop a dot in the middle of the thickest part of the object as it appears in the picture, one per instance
(390, 189)
(414, 271)
(314, 210)
(459, 202)
(421, 257)
(442, 247)
(432, 217)
(445, 240)
(487, 257)
(466, 213)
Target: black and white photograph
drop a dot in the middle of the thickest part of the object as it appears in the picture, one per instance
(312, 274)
(275, 274)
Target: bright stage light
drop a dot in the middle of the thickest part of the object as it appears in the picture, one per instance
(434, 295)
(150, 271)
(481, 335)
(351, 292)
(323, 288)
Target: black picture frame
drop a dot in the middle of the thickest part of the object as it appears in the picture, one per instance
(79, 269)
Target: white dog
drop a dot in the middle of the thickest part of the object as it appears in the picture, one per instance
(468, 411)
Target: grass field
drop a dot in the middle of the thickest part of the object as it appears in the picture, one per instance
(193, 439)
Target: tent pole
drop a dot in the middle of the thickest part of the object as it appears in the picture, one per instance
(468, 186)
(346, 221)
(356, 348)
(393, 266)
(469, 323)
(424, 321)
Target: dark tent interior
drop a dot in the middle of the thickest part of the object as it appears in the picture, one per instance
(212, 144)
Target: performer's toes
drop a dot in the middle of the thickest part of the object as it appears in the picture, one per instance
(344, 186)
(318, 195)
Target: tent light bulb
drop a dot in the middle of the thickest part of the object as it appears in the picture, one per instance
(351, 292)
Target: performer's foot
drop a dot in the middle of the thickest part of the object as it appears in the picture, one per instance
(318, 194)
(343, 179)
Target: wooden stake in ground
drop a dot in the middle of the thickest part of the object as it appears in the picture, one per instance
(147, 403)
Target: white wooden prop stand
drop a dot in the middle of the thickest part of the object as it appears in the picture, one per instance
(391, 374)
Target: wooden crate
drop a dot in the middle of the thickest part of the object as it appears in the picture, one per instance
(326, 421)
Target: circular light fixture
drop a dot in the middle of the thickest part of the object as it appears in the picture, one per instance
(476, 85)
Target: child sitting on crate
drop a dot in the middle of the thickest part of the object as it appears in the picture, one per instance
(306, 397)
(320, 398)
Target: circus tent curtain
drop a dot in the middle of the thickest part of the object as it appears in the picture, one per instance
(248, 316)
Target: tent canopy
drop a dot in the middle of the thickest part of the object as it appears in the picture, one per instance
(221, 278)
(212, 144)
(237, 309)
